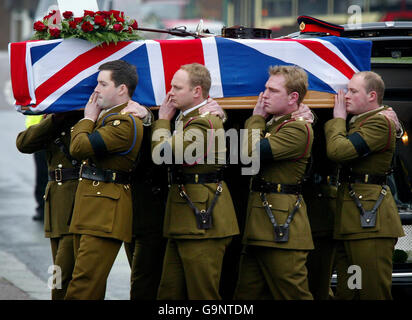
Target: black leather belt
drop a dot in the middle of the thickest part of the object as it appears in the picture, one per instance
(330, 180)
(195, 178)
(260, 185)
(104, 175)
(363, 178)
(64, 174)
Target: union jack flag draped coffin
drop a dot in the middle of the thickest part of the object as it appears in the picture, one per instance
(60, 75)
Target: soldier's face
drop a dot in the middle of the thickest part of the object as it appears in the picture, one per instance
(181, 93)
(107, 92)
(356, 97)
(276, 100)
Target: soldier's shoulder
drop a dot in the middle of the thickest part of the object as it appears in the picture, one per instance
(298, 124)
(118, 119)
(205, 120)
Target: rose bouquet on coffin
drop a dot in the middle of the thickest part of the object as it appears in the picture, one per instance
(97, 27)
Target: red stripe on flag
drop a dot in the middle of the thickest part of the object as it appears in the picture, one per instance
(82, 62)
(18, 72)
(326, 54)
(176, 53)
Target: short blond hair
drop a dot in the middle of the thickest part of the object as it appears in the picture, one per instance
(373, 82)
(199, 75)
(296, 79)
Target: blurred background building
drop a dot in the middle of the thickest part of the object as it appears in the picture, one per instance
(17, 16)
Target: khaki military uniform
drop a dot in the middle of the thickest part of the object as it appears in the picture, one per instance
(366, 148)
(193, 258)
(146, 251)
(269, 269)
(59, 196)
(102, 216)
(319, 193)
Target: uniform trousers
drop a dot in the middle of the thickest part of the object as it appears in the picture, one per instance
(94, 258)
(145, 255)
(63, 257)
(192, 269)
(374, 257)
(270, 273)
(320, 267)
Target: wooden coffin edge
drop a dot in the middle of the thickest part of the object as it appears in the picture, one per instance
(313, 99)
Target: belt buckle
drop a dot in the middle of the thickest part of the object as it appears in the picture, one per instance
(58, 177)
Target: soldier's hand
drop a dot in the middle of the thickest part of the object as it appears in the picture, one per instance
(391, 115)
(168, 108)
(339, 111)
(213, 108)
(259, 109)
(303, 112)
(92, 109)
(136, 109)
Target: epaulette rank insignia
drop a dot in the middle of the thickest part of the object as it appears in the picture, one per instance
(116, 122)
(204, 114)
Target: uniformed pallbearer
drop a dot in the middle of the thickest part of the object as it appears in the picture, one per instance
(367, 222)
(200, 219)
(108, 142)
(277, 233)
(53, 135)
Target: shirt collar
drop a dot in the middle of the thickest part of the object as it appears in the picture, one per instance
(354, 118)
(106, 111)
(186, 112)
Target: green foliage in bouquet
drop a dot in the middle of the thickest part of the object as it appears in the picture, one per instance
(96, 27)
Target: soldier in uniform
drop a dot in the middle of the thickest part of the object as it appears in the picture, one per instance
(146, 251)
(200, 219)
(108, 142)
(277, 234)
(367, 222)
(53, 135)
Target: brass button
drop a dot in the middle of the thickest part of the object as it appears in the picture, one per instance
(98, 192)
(60, 166)
(63, 133)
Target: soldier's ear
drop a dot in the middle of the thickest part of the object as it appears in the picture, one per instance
(372, 96)
(123, 89)
(197, 91)
(293, 98)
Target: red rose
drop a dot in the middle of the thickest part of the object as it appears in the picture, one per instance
(54, 32)
(88, 13)
(78, 20)
(117, 27)
(100, 21)
(72, 24)
(87, 26)
(115, 13)
(39, 26)
(67, 14)
(119, 19)
(135, 25)
(51, 13)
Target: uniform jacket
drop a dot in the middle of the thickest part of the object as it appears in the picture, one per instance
(104, 209)
(320, 189)
(179, 221)
(370, 153)
(59, 197)
(286, 149)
